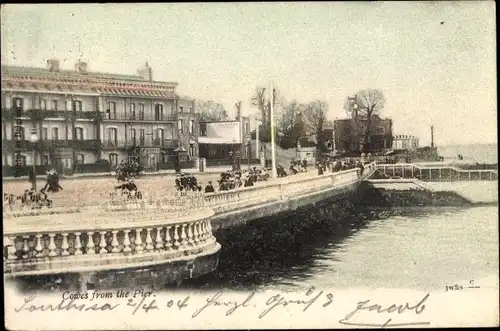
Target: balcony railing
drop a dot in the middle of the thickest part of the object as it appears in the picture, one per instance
(79, 144)
(139, 117)
(166, 143)
(41, 114)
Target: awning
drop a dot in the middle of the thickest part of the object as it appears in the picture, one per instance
(217, 141)
(148, 93)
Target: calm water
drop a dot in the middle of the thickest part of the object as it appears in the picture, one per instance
(482, 153)
(421, 249)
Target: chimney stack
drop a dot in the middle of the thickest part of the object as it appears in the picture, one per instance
(146, 73)
(81, 67)
(53, 65)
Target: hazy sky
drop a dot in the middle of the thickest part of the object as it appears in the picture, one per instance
(431, 73)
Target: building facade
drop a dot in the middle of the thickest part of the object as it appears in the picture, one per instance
(82, 117)
(349, 134)
(408, 142)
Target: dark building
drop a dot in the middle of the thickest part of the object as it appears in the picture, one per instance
(349, 134)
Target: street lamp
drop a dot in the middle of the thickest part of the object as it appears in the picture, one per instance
(34, 139)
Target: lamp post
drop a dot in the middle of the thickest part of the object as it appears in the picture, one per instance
(34, 139)
(248, 152)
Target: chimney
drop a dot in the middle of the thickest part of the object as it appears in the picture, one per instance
(81, 67)
(53, 65)
(146, 73)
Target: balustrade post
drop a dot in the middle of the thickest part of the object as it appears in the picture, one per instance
(26, 248)
(469, 175)
(168, 239)
(138, 240)
(176, 237)
(184, 242)
(102, 243)
(209, 229)
(65, 245)
(451, 174)
(114, 242)
(39, 247)
(90, 244)
(126, 241)
(52, 245)
(393, 170)
(10, 243)
(190, 234)
(158, 240)
(430, 174)
(196, 233)
(440, 173)
(490, 175)
(78, 243)
(402, 171)
(412, 171)
(149, 240)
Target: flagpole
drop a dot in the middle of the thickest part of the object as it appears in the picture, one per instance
(273, 149)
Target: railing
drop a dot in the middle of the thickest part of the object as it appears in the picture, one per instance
(138, 117)
(80, 144)
(437, 173)
(138, 142)
(111, 242)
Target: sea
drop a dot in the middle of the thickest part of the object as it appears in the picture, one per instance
(477, 153)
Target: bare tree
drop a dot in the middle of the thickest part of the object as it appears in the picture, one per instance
(363, 107)
(316, 113)
(289, 124)
(209, 111)
(263, 102)
(238, 110)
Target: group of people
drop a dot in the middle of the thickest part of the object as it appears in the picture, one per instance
(297, 166)
(126, 170)
(186, 182)
(32, 198)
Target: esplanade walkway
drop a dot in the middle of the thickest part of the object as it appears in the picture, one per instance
(178, 229)
(122, 234)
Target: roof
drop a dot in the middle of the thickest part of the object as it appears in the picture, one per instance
(65, 81)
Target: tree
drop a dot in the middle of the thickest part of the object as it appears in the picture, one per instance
(263, 102)
(364, 106)
(209, 111)
(290, 124)
(316, 113)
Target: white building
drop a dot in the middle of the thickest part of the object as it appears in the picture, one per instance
(407, 142)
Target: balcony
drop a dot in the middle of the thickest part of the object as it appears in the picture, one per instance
(41, 114)
(50, 145)
(138, 117)
(146, 142)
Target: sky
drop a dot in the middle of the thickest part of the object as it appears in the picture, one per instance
(434, 61)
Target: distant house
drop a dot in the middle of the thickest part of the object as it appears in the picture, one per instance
(306, 150)
(349, 134)
(407, 142)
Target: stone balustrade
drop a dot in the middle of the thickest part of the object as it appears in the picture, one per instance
(73, 244)
(436, 173)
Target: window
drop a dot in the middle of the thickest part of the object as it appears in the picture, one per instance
(45, 159)
(191, 149)
(179, 125)
(112, 135)
(45, 133)
(113, 159)
(111, 110)
(55, 134)
(141, 111)
(142, 135)
(18, 103)
(80, 159)
(77, 105)
(54, 104)
(20, 160)
(158, 112)
(132, 111)
(78, 133)
(132, 136)
(19, 133)
(203, 129)
(43, 104)
(191, 126)
(380, 130)
(181, 109)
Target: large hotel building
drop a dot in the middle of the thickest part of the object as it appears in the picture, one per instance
(83, 118)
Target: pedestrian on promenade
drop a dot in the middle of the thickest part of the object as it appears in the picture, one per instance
(209, 188)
